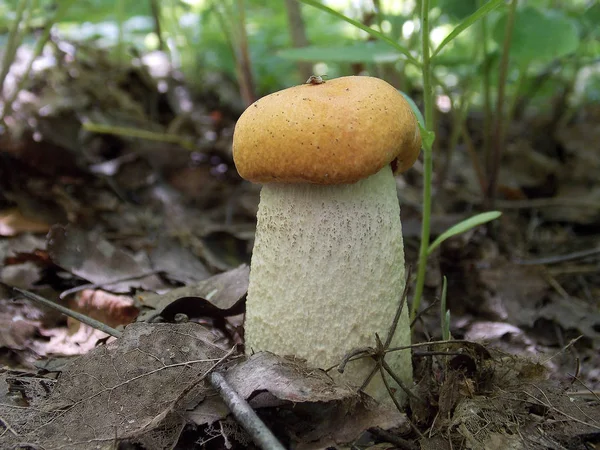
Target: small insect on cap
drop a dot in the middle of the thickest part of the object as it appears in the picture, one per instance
(330, 132)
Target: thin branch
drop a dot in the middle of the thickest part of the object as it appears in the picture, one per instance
(68, 312)
(244, 413)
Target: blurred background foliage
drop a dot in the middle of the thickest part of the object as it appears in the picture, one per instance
(554, 48)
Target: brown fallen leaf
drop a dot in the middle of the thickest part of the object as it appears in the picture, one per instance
(93, 258)
(111, 309)
(221, 295)
(303, 403)
(13, 222)
(133, 389)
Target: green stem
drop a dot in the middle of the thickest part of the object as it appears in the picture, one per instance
(156, 18)
(514, 101)
(121, 29)
(487, 92)
(493, 168)
(427, 158)
(37, 51)
(140, 134)
(13, 42)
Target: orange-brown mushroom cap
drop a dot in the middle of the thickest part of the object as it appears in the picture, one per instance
(339, 131)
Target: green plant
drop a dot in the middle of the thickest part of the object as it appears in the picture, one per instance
(58, 15)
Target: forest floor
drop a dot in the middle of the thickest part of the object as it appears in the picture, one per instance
(158, 233)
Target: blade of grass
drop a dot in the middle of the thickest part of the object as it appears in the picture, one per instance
(463, 226)
(481, 12)
(428, 100)
(371, 31)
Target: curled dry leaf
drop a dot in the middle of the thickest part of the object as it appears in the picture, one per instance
(303, 403)
(221, 295)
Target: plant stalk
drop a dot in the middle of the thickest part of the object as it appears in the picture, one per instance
(427, 158)
(493, 168)
(487, 92)
(37, 51)
(12, 44)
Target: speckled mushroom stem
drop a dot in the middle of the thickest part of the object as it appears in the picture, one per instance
(327, 274)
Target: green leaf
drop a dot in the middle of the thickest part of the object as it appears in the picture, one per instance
(373, 52)
(463, 226)
(485, 9)
(591, 18)
(371, 31)
(415, 110)
(456, 9)
(427, 137)
(539, 35)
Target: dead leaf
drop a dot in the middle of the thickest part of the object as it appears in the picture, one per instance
(111, 309)
(304, 402)
(12, 222)
(93, 258)
(219, 296)
(176, 262)
(527, 300)
(129, 390)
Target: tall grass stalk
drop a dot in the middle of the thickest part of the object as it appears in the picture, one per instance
(427, 157)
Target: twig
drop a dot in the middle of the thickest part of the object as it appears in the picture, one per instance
(405, 388)
(422, 312)
(589, 391)
(558, 258)
(595, 394)
(370, 352)
(388, 388)
(362, 352)
(403, 298)
(7, 427)
(139, 133)
(453, 341)
(244, 413)
(351, 356)
(402, 444)
(69, 312)
(549, 202)
(82, 287)
(430, 354)
(549, 405)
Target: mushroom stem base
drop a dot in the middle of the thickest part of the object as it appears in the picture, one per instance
(327, 274)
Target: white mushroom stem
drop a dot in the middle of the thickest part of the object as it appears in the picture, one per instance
(327, 274)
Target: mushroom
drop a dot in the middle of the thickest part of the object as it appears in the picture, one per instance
(327, 269)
